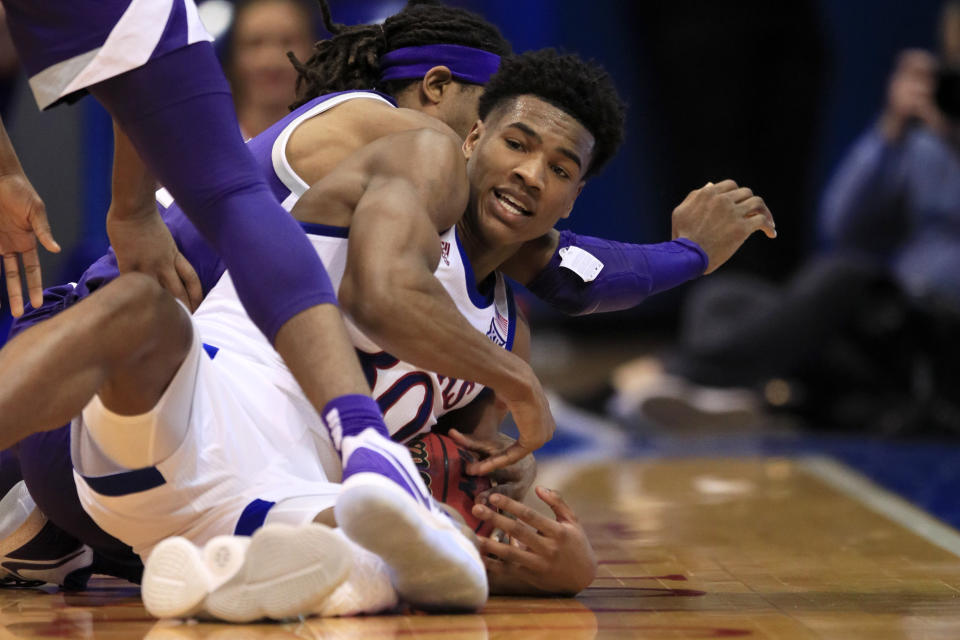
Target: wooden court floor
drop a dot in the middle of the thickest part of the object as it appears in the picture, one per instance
(689, 548)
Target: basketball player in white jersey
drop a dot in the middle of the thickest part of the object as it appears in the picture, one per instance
(410, 249)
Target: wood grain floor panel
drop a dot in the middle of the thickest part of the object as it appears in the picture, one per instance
(689, 548)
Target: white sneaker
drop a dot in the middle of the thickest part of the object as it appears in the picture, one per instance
(367, 590)
(433, 565)
(280, 571)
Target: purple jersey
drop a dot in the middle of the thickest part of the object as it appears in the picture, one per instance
(69, 45)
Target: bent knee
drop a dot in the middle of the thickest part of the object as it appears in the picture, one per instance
(146, 317)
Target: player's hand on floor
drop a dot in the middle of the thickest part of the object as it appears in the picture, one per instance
(143, 243)
(514, 480)
(720, 217)
(23, 221)
(552, 556)
(531, 412)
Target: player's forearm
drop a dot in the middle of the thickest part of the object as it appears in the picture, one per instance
(590, 275)
(133, 186)
(9, 162)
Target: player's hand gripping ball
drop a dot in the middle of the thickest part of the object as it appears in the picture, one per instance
(442, 465)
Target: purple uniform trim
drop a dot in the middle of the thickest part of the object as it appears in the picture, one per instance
(465, 63)
(350, 415)
(126, 482)
(253, 517)
(630, 273)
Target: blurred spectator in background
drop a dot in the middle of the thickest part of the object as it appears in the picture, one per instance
(866, 336)
(897, 194)
(255, 59)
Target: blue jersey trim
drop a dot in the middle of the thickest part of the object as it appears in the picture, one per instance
(126, 482)
(317, 229)
(211, 350)
(479, 300)
(511, 315)
(253, 517)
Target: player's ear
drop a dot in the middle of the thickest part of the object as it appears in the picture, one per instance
(470, 142)
(435, 84)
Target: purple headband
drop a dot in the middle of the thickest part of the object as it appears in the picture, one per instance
(465, 63)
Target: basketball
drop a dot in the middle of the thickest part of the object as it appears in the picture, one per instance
(442, 465)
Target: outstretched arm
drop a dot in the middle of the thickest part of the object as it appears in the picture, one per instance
(23, 221)
(581, 275)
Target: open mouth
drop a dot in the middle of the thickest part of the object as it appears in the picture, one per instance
(510, 204)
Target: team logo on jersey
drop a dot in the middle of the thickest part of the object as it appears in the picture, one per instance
(445, 252)
(495, 335)
(499, 327)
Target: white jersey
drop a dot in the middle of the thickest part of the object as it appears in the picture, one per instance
(251, 447)
(411, 399)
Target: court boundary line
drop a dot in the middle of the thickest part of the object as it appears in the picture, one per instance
(860, 487)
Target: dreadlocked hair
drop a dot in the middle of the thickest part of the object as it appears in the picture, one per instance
(582, 89)
(350, 59)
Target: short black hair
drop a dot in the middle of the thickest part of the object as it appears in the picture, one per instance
(582, 89)
(350, 60)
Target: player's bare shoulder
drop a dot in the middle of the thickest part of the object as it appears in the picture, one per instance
(426, 164)
(321, 143)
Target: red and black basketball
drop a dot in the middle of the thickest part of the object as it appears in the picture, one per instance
(442, 465)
